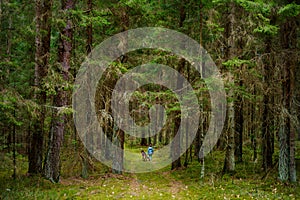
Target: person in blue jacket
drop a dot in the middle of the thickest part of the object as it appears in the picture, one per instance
(150, 151)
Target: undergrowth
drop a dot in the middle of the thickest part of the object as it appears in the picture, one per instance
(248, 182)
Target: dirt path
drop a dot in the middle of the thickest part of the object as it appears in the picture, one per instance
(159, 185)
(175, 185)
(167, 187)
(135, 187)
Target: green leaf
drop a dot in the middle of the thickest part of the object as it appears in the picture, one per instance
(290, 10)
(236, 62)
(267, 29)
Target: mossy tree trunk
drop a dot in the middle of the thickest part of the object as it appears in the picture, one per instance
(229, 163)
(56, 136)
(42, 48)
(287, 166)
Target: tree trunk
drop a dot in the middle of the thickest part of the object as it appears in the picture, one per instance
(14, 147)
(176, 142)
(291, 65)
(229, 163)
(176, 145)
(89, 138)
(42, 45)
(12, 135)
(267, 151)
(287, 166)
(200, 155)
(118, 140)
(176, 161)
(239, 123)
(253, 129)
(161, 133)
(186, 159)
(89, 29)
(283, 151)
(143, 140)
(119, 137)
(52, 161)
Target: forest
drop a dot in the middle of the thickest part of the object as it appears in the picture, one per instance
(149, 99)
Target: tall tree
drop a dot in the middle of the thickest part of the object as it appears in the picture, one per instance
(229, 163)
(176, 148)
(42, 54)
(89, 45)
(267, 132)
(288, 41)
(176, 144)
(119, 135)
(201, 134)
(239, 123)
(52, 161)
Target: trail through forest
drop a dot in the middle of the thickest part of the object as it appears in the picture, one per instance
(136, 186)
(184, 183)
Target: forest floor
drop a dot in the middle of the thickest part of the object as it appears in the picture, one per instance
(249, 182)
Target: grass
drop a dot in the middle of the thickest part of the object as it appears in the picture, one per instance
(184, 183)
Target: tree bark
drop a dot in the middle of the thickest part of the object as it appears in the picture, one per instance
(89, 138)
(176, 142)
(118, 140)
(287, 166)
(119, 137)
(229, 163)
(42, 45)
(89, 29)
(267, 151)
(253, 129)
(143, 140)
(291, 65)
(52, 161)
(239, 124)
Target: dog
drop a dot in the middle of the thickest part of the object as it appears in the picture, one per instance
(144, 156)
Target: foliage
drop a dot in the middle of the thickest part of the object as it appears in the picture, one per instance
(267, 30)
(289, 10)
(236, 62)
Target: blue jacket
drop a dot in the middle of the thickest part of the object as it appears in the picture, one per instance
(150, 150)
